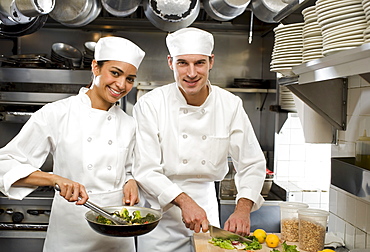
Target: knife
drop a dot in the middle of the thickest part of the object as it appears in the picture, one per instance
(223, 234)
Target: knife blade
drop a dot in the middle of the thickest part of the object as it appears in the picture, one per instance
(216, 232)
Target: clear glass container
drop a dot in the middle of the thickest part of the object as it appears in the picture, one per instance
(289, 220)
(312, 229)
(363, 151)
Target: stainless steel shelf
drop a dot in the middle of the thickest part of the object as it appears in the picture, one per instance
(251, 90)
(346, 63)
(48, 76)
(322, 83)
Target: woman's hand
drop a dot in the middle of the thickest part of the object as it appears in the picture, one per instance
(131, 193)
(72, 190)
(69, 189)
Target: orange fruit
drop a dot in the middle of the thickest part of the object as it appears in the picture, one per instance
(272, 240)
(260, 234)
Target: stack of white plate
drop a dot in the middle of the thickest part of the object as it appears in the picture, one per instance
(366, 7)
(312, 38)
(287, 51)
(342, 24)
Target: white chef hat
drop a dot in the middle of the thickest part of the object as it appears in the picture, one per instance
(120, 49)
(190, 41)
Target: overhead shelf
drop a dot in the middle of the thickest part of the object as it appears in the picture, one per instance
(346, 63)
(323, 85)
(47, 76)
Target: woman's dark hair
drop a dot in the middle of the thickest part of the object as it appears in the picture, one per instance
(100, 65)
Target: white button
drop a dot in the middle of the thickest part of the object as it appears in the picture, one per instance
(185, 111)
(90, 166)
(109, 167)
(203, 162)
(109, 118)
(203, 111)
(110, 142)
(185, 136)
(204, 137)
(184, 161)
(89, 139)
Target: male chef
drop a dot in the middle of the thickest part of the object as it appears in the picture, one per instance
(186, 131)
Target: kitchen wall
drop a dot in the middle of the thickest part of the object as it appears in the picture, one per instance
(234, 58)
(350, 215)
(304, 168)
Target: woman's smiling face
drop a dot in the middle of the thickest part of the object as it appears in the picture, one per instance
(113, 80)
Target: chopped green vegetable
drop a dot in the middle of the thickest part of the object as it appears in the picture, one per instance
(222, 243)
(135, 218)
(228, 243)
(287, 248)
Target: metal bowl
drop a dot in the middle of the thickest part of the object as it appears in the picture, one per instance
(224, 10)
(123, 230)
(169, 21)
(33, 8)
(121, 8)
(266, 10)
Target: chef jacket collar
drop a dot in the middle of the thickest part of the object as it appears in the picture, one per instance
(86, 99)
(180, 97)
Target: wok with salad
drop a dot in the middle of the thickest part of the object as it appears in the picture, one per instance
(140, 220)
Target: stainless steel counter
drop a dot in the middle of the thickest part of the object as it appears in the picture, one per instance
(351, 178)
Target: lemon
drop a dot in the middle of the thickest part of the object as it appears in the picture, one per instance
(272, 240)
(327, 250)
(260, 234)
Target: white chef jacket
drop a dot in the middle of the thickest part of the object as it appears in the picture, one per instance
(90, 146)
(184, 148)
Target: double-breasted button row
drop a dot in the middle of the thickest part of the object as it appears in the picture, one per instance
(89, 139)
(185, 161)
(203, 111)
(90, 167)
(204, 137)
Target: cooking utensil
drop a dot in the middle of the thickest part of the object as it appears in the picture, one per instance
(76, 13)
(66, 54)
(18, 30)
(266, 10)
(124, 230)
(216, 232)
(33, 8)
(224, 10)
(171, 16)
(121, 8)
(117, 220)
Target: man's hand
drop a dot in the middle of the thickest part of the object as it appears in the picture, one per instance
(239, 221)
(193, 216)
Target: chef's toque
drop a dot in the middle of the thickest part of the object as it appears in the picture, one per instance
(120, 49)
(190, 41)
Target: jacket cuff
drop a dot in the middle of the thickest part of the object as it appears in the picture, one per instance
(256, 198)
(168, 195)
(14, 175)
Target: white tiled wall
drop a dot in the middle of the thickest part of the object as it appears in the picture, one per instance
(349, 218)
(307, 174)
(351, 214)
(302, 168)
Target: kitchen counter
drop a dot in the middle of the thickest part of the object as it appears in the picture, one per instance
(201, 244)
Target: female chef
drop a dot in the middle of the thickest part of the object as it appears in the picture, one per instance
(92, 141)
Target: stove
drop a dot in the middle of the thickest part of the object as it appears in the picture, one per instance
(31, 213)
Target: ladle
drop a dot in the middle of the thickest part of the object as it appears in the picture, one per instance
(116, 220)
